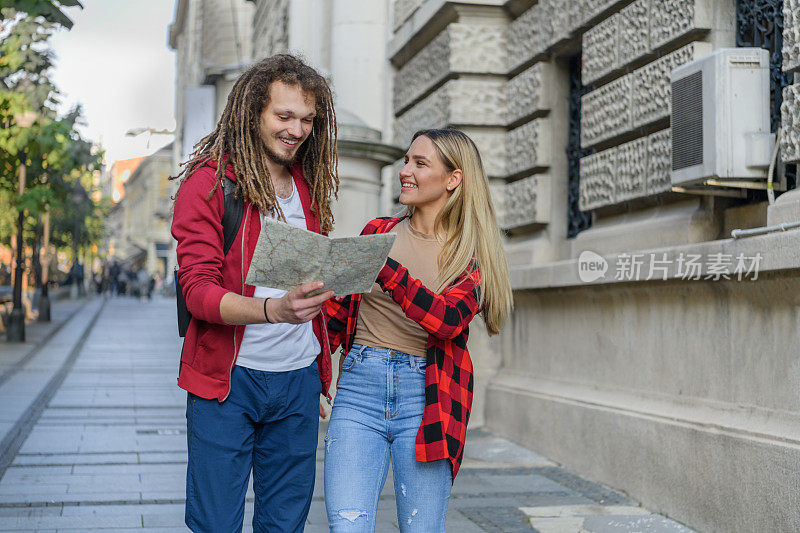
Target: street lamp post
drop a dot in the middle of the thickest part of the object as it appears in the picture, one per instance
(16, 320)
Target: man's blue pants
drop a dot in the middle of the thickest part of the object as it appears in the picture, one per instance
(268, 424)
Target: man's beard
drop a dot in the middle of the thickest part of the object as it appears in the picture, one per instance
(281, 159)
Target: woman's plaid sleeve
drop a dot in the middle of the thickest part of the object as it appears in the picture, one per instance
(442, 315)
(336, 311)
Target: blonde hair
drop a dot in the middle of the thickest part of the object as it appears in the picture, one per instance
(471, 235)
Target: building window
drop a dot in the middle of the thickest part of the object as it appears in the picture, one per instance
(577, 220)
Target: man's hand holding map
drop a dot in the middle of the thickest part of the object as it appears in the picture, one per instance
(286, 256)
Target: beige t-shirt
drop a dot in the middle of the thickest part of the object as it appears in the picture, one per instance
(381, 321)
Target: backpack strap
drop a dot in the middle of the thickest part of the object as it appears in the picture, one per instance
(231, 220)
(232, 217)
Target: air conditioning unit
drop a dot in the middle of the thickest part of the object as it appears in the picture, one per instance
(720, 121)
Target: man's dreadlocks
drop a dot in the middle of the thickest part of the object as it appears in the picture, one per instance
(237, 138)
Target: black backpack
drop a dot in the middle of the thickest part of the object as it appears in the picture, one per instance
(231, 220)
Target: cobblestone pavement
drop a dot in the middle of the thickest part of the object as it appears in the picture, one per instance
(92, 438)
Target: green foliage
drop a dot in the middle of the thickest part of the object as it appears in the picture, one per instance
(59, 163)
(49, 10)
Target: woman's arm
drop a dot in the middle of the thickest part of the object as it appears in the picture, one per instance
(336, 311)
(442, 315)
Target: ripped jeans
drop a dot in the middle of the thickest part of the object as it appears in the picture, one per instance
(376, 415)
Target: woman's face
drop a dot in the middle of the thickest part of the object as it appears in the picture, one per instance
(424, 180)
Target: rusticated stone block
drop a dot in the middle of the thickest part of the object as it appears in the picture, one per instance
(631, 170)
(478, 48)
(529, 35)
(476, 101)
(790, 124)
(659, 162)
(606, 112)
(525, 202)
(422, 71)
(432, 112)
(652, 92)
(597, 180)
(529, 146)
(529, 92)
(461, 48)
(634, 32)
(473, 101)
(492, 145)
(673, 19)
(600, 50)
(791, 35)
(558, 12)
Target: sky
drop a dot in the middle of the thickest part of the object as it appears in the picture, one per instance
(115, 62)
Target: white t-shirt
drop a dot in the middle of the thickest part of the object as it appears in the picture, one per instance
(279, 347)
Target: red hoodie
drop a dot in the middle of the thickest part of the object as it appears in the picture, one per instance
(206, 275)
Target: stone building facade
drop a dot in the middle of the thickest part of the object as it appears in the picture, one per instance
(682, 392)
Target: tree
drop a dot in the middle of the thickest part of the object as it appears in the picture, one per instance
(49, 10)
(59, 161)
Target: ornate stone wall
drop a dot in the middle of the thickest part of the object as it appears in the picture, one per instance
(639, 30)
(791, 35)
(652, 95)
(600, 45)
(790, 127)
(790, 108)
(530, 92)
(529, 146)
(597, 179)
(522, 202)
(460, 49)
(631, 170)
(636, 99)
(606, 112)
(459, 102)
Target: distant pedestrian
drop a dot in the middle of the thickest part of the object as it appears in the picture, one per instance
(143, 282)
(113, 274)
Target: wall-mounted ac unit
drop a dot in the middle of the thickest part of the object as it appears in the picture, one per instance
(720, 121)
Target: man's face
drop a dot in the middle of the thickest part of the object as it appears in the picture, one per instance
(286, 121)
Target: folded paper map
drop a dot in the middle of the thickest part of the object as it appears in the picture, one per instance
(286, 256)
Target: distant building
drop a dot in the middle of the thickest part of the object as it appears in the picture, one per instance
(138, 226)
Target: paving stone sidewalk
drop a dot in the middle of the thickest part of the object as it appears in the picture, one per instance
(100, 442)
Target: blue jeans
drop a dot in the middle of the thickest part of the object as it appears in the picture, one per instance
(376, 415)
(268, 424)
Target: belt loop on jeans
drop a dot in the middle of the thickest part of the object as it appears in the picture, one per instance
(359, 353)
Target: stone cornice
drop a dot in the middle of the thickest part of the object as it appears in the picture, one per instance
(780, 251)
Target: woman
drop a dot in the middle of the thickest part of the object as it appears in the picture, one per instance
(405, 388)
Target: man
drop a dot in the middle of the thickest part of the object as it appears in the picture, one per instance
(254, 357)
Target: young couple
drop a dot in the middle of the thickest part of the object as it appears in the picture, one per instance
(255, 359)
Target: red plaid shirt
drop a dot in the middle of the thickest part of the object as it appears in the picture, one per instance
(448, 375)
